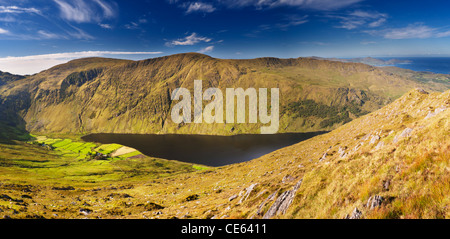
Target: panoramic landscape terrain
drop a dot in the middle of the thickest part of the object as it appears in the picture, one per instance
(224, 109)
(386, 153)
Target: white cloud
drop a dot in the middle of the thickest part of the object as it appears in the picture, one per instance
(378, 22)
(443, 34)
(189, 40)
(264, 4)
(108, 10)
(304, 4)
(36, 63)
(77, 33)
(3, 31)
(81, 11)
(47, 35)
(105, 26)
(15, 9)
(206, 49)
(359, 18)
(412, 31)
(200, 7)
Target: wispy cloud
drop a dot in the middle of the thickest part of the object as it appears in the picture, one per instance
(35, 63)
(81, 11)
(291, 21)
(3, 31)
(189, 40)
(16, 9)
(211, 6)
(105, 26)
(48, 35)
(303, 4)
(359, 18)
(412, 31)
(199, 7)
(206, 49)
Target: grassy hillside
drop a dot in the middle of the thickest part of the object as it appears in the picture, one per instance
(107, 95)
(391, 163)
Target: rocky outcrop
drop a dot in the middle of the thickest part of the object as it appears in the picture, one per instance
(406, 133)
(281, 205)
(356, 214)
(436, 112)
(374, 202)
(247, 192)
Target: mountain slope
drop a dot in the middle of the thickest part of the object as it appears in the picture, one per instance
(391, 163)
(106, 95)
(6, 77)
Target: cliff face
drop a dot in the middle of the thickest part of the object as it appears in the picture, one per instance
(117, 96)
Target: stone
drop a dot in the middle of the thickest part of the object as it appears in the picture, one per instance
(422, 91)
(341, 152)
(232, 198)
(406, 133)
(356, 214)
(287, 179)
(374, 202)
(268, 199)
(379, 145)
(436, 112)
(386, 184)
(374, 139)
(324, 157)
(248, 191)
(85, 211)
(281, 205)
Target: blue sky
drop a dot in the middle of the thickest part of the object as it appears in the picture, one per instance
(37, 34)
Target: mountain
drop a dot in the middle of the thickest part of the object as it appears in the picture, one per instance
(391, 163)
(120, 96)
(6, 77)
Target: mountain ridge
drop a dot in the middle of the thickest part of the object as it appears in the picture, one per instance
(120, 96)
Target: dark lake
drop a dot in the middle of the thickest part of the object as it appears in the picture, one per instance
(203, 149)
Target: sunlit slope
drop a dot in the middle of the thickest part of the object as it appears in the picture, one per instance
(392, 163)
(107, 95)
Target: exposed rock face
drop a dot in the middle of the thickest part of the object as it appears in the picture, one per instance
(374, 202)
(436, 112)
(379, 145)
(342, 152)
(374, 139)
(247, 192)
(268, 199)
(232, 198)
(356, 214)
(283, 202)
(406, 133)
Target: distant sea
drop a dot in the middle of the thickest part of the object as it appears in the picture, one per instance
(439, 65)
